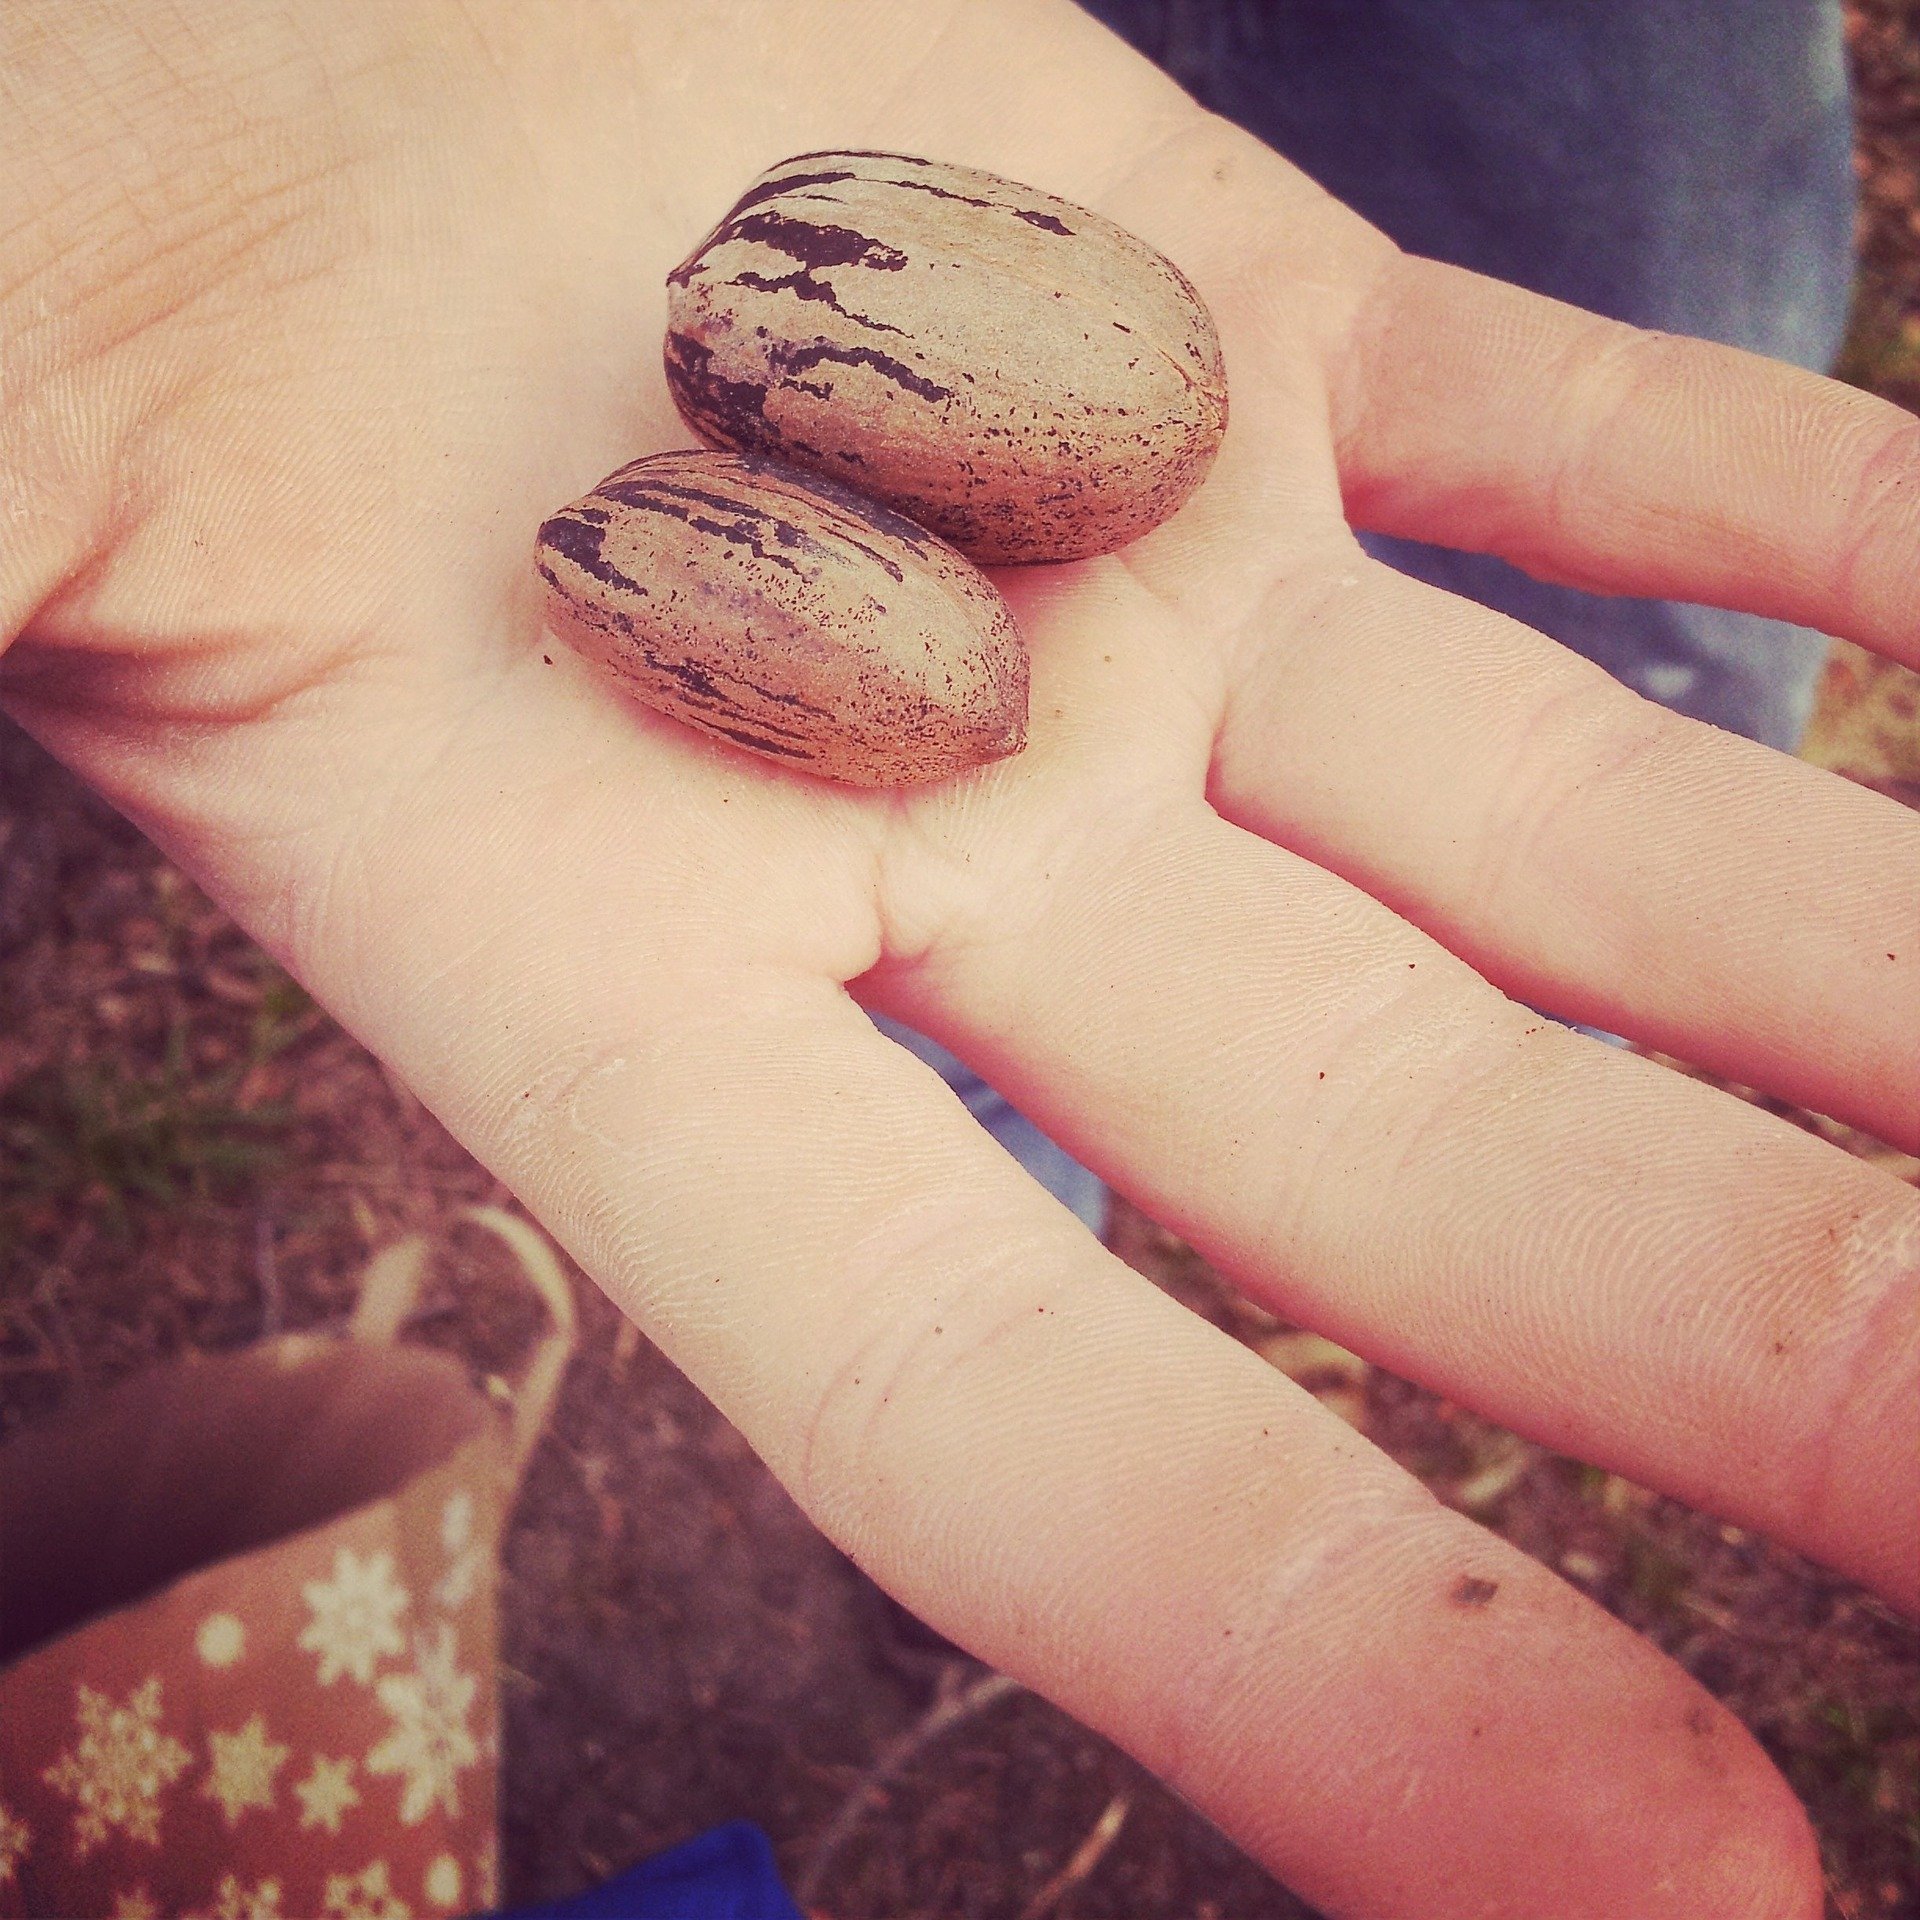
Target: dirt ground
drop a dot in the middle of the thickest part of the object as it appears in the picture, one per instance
(192, 1154)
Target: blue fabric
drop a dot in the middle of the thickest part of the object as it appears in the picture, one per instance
(1680, 164)
(726, 1873)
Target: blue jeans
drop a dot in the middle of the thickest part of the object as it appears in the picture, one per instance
(1681, 164)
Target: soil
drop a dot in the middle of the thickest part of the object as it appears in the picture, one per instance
(1883, 348)
(192, 1154)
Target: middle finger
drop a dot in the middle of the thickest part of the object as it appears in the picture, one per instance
(1589, 851)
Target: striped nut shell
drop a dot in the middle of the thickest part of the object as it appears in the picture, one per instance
(789, 616)
(1022, 376)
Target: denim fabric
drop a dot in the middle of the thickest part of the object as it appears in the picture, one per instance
(1681, 164)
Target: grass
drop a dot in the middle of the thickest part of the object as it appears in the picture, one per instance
(1882, 350)
(107, 1131)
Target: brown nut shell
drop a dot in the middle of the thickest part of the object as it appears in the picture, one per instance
(1029, 380)
(789, 616)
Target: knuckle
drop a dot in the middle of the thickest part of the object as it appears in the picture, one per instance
(1881, 528)
(1412, 1058)
(1584, 740)
(1242, 1686)
(934, 1306)
(1613, 377)
(1859, 1499)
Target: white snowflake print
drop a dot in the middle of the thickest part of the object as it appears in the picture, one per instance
(443, 1882)
(221, 1640)
(486, 1874)
(242, 1770)
(456, 1521)
(466, 1556)
(118, 1768)
(135, 1904)
(236, 1902)
(430, 1741)
(326, 1793)
(367, 1895)
(353, 1616)
(14, 1841)
(456, 1585)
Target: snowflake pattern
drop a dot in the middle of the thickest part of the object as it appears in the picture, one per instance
(443, 1882)
(221, 1640)
(486, 1874)
(236, 1902)
(466, 1556)
(116, 1771)
(326, 1793)
(456, 1585)
(354, 1616)
(367, 1895)
(430, 1741)
(456, 1521)
(242, 1770)
(14, 1841)
(136, 1903)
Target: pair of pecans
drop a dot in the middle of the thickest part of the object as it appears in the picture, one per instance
(911, 367)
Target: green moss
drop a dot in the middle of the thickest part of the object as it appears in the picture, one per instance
(106, 1132)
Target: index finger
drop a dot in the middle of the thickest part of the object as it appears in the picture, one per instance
(1599, 455)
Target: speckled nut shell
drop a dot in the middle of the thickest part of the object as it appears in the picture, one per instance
(789, 616)
(1022, 376)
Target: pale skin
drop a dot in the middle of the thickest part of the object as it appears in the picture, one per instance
(309, 315)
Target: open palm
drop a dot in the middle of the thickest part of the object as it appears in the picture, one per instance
(313, 323)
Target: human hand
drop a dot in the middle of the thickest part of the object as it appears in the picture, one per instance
(307, 322)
